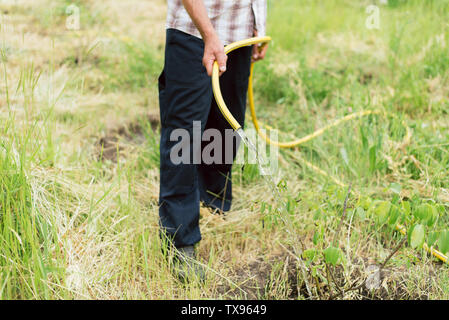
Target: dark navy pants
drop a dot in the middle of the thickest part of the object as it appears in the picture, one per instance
(185, 96)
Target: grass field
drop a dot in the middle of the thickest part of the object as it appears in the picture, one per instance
(79, 156)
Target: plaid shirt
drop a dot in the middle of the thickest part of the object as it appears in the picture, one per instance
(233, 20)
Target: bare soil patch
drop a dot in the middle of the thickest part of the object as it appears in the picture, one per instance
(112, 144)
(275, 278)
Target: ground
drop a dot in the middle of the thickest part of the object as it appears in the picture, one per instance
(80, 156)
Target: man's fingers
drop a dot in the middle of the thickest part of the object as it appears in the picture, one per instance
(263, 52)
(259, 52)
(222, 59)
(208, 64)
(255, 56)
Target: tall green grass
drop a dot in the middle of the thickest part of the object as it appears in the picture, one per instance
(30, 260)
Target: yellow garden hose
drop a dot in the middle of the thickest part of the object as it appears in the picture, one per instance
(234, 123)
(216, 78)
(295, 143)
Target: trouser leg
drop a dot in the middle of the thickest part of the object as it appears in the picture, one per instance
(185, 96)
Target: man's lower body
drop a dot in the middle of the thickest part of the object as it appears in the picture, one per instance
(185, 97)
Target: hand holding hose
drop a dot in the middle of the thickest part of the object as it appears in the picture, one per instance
(259, 51)
(214, 51)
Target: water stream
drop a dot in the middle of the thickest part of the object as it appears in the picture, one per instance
(282, 209)
(268, 177)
